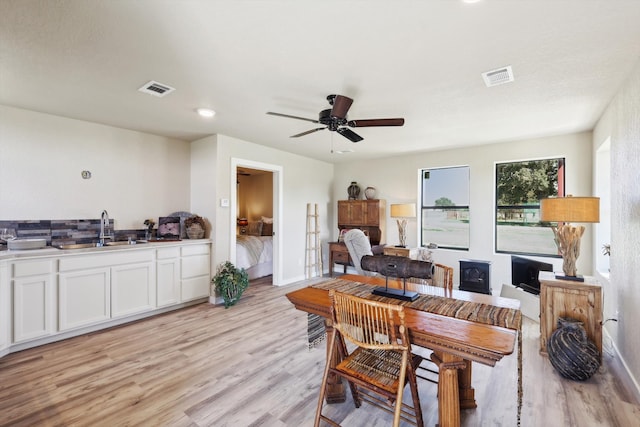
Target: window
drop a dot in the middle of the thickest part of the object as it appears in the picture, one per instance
(445, 207)
(519, 188)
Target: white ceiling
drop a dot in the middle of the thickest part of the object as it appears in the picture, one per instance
(421, 60)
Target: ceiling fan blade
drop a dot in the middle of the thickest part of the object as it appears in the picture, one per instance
(292, 117)
(375, 122)
(307, 132)
(349, 134)
(341, 105)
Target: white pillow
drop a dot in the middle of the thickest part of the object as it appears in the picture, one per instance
(267, 220)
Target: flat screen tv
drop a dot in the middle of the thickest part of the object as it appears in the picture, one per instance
(524, 273)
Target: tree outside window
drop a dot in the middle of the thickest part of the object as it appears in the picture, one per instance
(519, 188)
(445, 207)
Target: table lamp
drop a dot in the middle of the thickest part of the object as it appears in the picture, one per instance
(564, 210)
(242, 223)
(401, 212)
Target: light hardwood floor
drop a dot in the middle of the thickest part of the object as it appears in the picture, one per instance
(249, 366)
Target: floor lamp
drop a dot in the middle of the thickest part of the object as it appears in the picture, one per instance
(565, 210)
(401, 213)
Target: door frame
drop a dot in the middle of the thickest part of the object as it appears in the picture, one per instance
(276, 171)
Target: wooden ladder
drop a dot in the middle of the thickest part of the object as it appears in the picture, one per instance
(313, 259)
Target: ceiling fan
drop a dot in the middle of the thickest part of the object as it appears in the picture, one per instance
(335, 119)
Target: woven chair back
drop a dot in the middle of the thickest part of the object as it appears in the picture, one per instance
(369, 324)
(443, 276)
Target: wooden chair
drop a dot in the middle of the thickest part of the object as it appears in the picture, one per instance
(381, 363)
(443, 277)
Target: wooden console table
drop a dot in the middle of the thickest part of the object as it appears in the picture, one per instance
(577, 300)
(398, 251)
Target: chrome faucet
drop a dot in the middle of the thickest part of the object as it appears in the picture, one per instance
(104, 228)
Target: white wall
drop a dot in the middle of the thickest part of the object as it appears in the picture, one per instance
(397, 181)
(304, 181)
(622, 288)
(255, 196)
(135, 176)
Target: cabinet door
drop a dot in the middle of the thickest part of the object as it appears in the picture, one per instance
(84, 298)
(194, 288)
(351, 212)
(195, 272)
(372, 217)
(357, 213)
(32, 307)
(168, 282)
(133, 289)
(5, 306)
(343, 212)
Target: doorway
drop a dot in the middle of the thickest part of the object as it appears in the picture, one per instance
(260, 171)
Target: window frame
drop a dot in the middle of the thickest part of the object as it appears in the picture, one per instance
(434, 207)
(497, 208)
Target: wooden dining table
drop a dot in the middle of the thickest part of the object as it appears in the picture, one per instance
(456, 342)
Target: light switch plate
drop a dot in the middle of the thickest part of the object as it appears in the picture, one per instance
(224, 203)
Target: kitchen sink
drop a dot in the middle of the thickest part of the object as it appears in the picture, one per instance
(96, 245)
(77, 246)
(123, 242)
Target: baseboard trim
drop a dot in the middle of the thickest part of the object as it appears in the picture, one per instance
(630, 379)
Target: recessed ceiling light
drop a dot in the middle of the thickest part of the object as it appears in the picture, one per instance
(471, 1)
(343, 151)
(206, 112)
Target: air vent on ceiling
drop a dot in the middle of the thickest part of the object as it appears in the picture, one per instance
(156, 89)
(498, 76)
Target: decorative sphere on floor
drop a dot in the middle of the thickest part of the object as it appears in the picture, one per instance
(570, 351)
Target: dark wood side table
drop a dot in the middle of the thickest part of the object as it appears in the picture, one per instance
(339, 254)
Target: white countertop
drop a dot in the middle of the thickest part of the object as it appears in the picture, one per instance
(8, 254)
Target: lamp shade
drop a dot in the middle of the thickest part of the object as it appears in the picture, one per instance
(407, 210)
(570, 209)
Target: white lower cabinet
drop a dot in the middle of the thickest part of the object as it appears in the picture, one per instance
(195, 272)
(133, 289)
(117, 284)
(168, 276)
(67, 294)
(5, 306)
(33, 300)
(84, 297)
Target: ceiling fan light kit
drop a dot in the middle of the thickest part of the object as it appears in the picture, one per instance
(335, 119)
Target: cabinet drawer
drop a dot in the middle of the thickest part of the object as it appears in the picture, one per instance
(341, 257)
(195, 266)
(166, 253)
(396, 251)
(195, 250)
(197, 287)
(32, 268)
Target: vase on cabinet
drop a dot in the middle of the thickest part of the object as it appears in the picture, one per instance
(370, 193)
(354, 191)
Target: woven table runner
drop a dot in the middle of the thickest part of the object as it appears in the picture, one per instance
(468, 310)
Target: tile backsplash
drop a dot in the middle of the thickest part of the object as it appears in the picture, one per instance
(67, 231)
